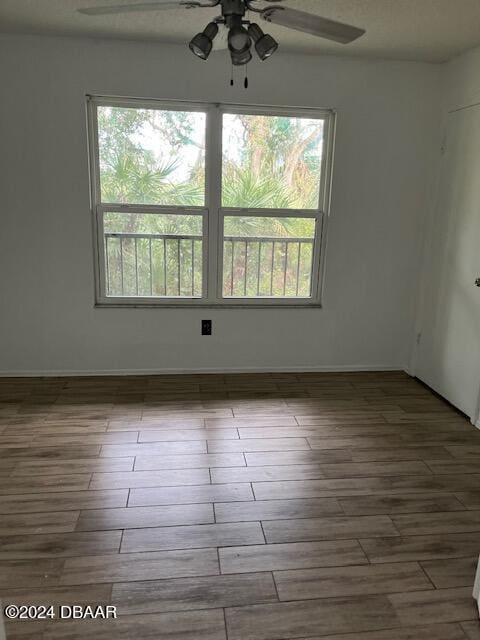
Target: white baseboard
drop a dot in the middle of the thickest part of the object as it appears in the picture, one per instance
(194, 370)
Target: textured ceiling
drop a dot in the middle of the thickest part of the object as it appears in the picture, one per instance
(424, 30)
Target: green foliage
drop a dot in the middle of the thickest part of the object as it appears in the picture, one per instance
(282, 155)
(133, 173)
(247, 189)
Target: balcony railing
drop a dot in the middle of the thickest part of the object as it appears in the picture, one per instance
(161, 265)
(267, 267)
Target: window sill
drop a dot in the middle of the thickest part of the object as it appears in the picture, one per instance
(166, 305)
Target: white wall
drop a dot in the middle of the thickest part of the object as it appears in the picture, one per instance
(388, 131)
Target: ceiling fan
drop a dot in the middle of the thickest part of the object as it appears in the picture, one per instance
(240, 32)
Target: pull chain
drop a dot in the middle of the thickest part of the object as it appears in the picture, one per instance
(231, 77)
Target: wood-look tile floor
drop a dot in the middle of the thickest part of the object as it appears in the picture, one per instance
(244, 507)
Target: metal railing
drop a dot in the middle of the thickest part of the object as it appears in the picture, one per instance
(153, 265)
(164, 265)
(267, 267)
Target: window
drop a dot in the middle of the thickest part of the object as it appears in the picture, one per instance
(200, 204)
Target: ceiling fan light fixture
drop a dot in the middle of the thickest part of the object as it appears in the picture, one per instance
(201, 44)
(240, 58)
(265, 45)
(239, 45)
(239, 40)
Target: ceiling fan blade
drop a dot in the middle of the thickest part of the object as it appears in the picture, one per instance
(310, 23)
(159, 5)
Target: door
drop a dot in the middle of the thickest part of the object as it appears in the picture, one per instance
(448, 357)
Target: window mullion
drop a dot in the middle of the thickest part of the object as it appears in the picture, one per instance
(213, 199)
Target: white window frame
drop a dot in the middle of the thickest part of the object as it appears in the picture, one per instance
(212, 212)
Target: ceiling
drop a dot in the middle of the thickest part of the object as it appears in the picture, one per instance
(423, 30)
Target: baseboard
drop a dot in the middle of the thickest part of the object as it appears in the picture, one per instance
(195, 370)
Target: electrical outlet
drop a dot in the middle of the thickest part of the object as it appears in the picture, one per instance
(206, 327)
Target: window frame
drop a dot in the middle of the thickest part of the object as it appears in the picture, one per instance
(213, 213)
